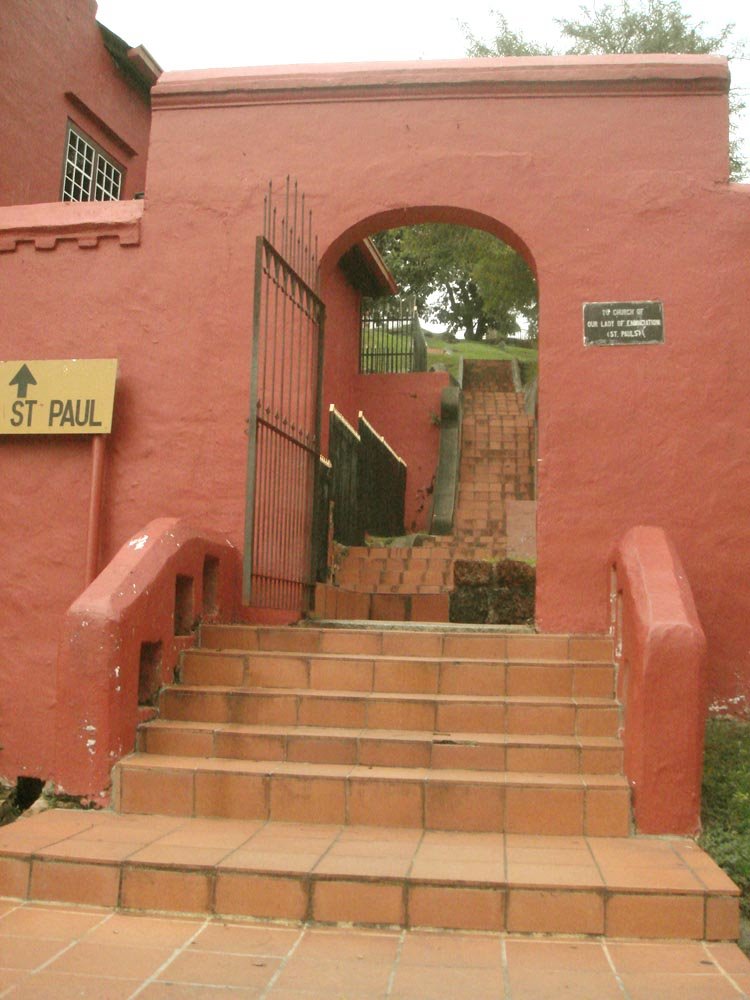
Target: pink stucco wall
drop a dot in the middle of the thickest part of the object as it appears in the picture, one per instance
(610, 175)
(54, 67)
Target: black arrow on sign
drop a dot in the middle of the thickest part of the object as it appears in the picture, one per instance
(22, 380)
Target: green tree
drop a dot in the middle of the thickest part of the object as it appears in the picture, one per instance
(463, 278)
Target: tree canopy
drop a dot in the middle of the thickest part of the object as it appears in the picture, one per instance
(463, 278)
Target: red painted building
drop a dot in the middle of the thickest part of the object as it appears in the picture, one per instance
(75, 105)
(609, 175)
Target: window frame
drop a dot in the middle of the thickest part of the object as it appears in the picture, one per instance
(102, 162)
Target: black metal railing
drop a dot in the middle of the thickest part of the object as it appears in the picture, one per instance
(382, 483)
(343, 450)
(391, 338)
(367, 482)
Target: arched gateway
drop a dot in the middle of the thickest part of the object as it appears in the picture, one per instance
(608, 174)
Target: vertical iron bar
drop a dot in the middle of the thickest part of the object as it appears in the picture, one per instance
(252, 427)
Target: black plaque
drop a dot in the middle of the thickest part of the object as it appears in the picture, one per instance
(623, 323)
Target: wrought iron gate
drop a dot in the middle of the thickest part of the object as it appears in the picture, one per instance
(285, 394)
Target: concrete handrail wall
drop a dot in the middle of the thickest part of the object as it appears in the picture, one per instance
(160, 584)
(660, 649)
(449, 459)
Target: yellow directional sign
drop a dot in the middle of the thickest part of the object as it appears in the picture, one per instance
(57, 397)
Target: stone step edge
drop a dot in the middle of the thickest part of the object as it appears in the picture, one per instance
(387, 658)
(343, 898)
(553, 741)
(322, 629)
(532, 701)
(358, 747)
(138, 761)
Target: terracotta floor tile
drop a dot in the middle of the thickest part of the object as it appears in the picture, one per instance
(365, 866)
(449, 845)
(381, 801)
(183, 991)
(111, 961)
(14, 877)
(357, 902)
(555, 911)
(308, 798)
(280, 861)
(211, 969)
(75, 883)
(573, 876)
(156, 791)
(679, 879)
(303, 831)
(166, 890)
(131, 828)
(683, 957)
(212, 833)
(729, 957)
(552, 984)
(231, 796)
(369, 946)
(654, 916)
(465, 807)
(413, 982)
(451, 949)
(335, 977)
(673, 986)
(245, 939)
(27, 953)
(89, 850)
(263, 896)
(53, 924)
(446, 870)
(569, 955)
(133, 929)
(460, 908)
(62, 986)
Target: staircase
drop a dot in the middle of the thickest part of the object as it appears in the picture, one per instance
(384, 776)
(412, 583)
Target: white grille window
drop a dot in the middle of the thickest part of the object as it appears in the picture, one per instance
(90, 175)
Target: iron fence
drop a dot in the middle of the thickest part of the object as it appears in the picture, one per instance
(343, 449)
(391, 338)
(367, 482)
(284, 426)
(381, 483)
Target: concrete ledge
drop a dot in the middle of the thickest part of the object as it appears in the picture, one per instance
(660, 650)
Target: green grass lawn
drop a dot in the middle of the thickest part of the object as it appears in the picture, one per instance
(474, 350)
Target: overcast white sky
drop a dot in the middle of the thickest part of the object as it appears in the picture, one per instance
(196, 34)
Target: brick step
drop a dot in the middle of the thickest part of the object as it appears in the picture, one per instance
(362, 576)
(448, 641)
(384, 748)
(406, 588)
(633, 888)
(379, 710)
(417, 675)
(449, 799)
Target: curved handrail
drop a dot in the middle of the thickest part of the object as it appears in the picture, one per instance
(161, 582)
(660, 650)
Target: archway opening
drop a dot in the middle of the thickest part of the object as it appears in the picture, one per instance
(468, 285)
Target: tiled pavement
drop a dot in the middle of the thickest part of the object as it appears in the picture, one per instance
(621, 887)
(58, 952)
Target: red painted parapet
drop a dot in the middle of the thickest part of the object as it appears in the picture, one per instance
(661, 653)
(121, 640)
